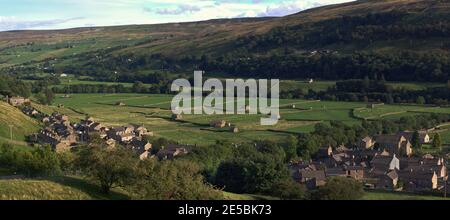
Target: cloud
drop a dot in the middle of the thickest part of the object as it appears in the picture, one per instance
(177, 10)
(291, 7)
(48, 14)
(13, 23)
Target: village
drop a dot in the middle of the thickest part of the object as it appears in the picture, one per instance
(384, 162)
(63, 135)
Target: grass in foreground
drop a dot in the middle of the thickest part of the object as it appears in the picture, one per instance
(234, 196)
(378, 195)
(61, 188)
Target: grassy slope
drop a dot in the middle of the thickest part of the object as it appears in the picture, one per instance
(63, 188)
(22, 124)
(234, 196)
(399, 196)
(213, 37)
(68, 188)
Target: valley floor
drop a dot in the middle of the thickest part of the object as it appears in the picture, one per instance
(153, 111)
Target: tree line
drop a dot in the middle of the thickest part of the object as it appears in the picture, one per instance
(356, 29)
(372, 91)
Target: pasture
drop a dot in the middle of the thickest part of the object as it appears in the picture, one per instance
(384, 195)
(154, 112)
(14, 123)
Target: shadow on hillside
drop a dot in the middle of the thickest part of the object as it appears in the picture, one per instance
(284, 132)
(89, 188)
(152, 115)
(133, 106)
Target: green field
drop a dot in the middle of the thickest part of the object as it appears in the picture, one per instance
(154, 112)
(58, 188)
(20, 124)
(76, 188)
(234, 196)
(378, 195)
(396, 111)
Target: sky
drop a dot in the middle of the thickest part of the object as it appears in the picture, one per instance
(61, 14)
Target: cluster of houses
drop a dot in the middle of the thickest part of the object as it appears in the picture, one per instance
(382, 162)
(63, 135)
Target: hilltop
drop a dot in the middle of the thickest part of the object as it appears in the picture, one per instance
(380, 28)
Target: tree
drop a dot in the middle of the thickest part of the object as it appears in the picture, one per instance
(171, 180)
(415, 140)
(157, 143)
(290, 148)
(41, 161)
(437, 141)
(251, 174)
(209, 158)
(233, 176)
(44, 162)
(389, 99)
(46, 96)
(109, 167)
(139, 87)
(288, 190)
(341, 188)
(420, 100)
(307, 146)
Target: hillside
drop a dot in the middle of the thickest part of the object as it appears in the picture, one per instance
(58, 188)
(22, 125)
(379, 29)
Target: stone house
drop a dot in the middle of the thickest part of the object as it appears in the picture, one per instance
(395, 144)
(18, 101)
(380, 165)
(46, 120)
(388, 181)
(418, 180)
(424, 137)
(355, 172)
(172, 151)
(111, 143)
(218, 123)
(142, 131)
(436, 165)
(60, 117)
(177, 117)
(118, 131)
(366, 143)
(97, 127)
(124, 138)
(141, 148)
(334, 172)
(325, 152)
(312, 178)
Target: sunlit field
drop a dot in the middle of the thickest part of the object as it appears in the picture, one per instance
(154, 112)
